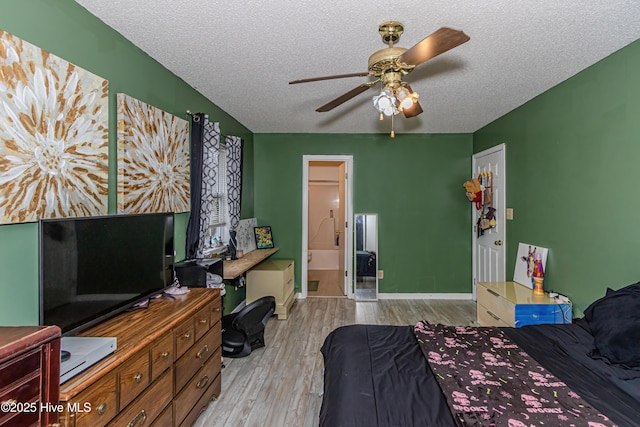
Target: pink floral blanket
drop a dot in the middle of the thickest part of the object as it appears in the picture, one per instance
(489, 381)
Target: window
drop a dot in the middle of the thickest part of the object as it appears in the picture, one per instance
(219, 220)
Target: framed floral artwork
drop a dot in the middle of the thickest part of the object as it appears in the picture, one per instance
(264, 238)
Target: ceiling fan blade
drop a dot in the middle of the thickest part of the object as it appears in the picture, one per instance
(336, 76)
(431, 46)
(345, 97)
(413, 111)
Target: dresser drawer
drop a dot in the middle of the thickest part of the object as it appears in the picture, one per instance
(97, 405)
(494, 303)
(161, 355)
(19, 367)
(487, 318)
(288, 272)
(23, 393)
(196, 388)
(184, 337)
(133, 377)
(212, 393)
(197, 356)
(29, 418)
(216, 310)
(202, 321)
(148, 406)
(165, 419)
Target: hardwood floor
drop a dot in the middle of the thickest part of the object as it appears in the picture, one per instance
(281, 384)
(331, 283)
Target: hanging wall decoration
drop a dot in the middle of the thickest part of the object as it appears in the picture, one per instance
(54, 136)
(153, 159)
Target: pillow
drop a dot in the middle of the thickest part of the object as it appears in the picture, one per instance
(615, 325)
(627, 290)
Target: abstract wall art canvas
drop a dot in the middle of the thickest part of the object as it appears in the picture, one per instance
(54, 136)
(153, 159)
(245, 236)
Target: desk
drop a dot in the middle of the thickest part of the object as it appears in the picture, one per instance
(236, 268)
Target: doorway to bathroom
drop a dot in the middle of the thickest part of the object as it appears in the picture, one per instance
(327, 237)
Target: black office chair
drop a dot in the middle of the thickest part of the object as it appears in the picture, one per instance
(243, 331)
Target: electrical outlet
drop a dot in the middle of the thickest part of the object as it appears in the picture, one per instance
(380, 274)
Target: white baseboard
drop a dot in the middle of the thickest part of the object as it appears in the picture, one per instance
(469, 296)
(425, 296)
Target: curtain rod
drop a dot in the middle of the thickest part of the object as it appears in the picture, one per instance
(196, 119)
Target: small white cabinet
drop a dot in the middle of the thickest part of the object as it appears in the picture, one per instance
(512, 304)
(272, 277)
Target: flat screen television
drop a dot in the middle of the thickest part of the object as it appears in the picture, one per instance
(92, 268)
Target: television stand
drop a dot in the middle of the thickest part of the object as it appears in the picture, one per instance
(166, 366)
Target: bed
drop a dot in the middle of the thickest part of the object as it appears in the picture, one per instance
(380, 375)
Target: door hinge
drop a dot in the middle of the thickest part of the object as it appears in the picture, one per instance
(346, 224)
(345, 273)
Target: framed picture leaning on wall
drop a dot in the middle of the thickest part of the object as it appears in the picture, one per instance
(264, 238)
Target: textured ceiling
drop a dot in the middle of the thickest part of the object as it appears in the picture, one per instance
(242, 54)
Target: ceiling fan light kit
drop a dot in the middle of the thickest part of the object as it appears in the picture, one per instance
(388, 66)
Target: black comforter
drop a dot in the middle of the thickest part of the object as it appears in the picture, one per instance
(377, 376)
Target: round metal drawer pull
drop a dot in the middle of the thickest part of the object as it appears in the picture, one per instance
(138, 378)
(165, 354)
(203, 321)
(187, 336)
(102, 409)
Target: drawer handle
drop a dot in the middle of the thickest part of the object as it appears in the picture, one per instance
(186, 336)
(217, 309)
(142, 415)
(164, 354)
(203, 382)
(492, 292)
(203, 350)
(203, 321)
(102, 409)
(492, 315)
(138, 377)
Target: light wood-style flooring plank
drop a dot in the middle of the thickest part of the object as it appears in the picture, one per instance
(282, 384)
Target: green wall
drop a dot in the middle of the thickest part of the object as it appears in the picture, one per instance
(572, 156)
(67, 30)
(413, 182)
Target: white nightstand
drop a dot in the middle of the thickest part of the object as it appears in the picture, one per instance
(512, 304)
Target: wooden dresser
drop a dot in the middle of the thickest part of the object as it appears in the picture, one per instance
(164, 372)
(29, 375)
(512, 304)
(273, 277)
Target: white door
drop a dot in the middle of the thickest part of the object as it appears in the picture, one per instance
(489, 246)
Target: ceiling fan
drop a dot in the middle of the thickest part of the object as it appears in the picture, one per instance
(388, 66)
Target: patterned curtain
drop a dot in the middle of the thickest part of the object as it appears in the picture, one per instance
(205, 144)
(234, 179)
(209, 192)
(234, 188)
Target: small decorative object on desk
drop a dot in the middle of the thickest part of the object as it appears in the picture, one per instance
(264, 239)
(538, 275)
